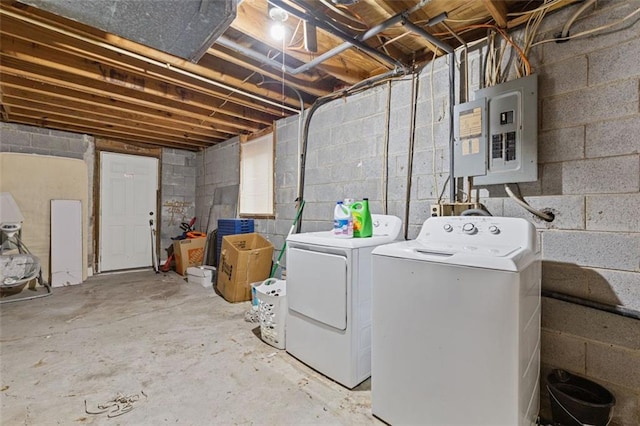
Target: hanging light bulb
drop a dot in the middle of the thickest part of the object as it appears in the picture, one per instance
(277, 31)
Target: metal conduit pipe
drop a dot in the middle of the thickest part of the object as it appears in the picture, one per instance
(223, 41)
(400, 18)
(334, 31)
(617, 310)
(433, 40)
(452, 101)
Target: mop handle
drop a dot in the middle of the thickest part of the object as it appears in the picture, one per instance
(284, 246)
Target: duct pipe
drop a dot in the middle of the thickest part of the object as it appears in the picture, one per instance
(335, 31)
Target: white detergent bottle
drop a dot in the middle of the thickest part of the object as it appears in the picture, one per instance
(342, 221)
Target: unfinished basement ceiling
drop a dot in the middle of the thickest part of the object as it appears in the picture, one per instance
(59, 73)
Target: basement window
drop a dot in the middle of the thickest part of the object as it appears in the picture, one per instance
(256, 175)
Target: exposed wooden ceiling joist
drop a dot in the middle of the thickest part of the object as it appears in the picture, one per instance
(65, 75)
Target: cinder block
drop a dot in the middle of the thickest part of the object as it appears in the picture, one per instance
(361, 189)
(568, 211)
(601, 176)
(419, 212)
(371, 168)
(594, 249)
(427, 189)
(564, 76)
(590, 324)
(551, 179)
(49, 143)
(616, 212)
(399, 141)
(438, 72)
(614, 364)
(494, 205)
(615, 288)
(561, 145)
(563, 351)
(10, 137)
(64, 134)
(30, 129)
(173, 159)
(612, 138)
(400, 94)
(565, 278)
(315, 176)
(624, 56)
(603, 102)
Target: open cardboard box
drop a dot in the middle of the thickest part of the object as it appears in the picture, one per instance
(244, 259)
(188, 252)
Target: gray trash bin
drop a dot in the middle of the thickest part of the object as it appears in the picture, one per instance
(576, 401)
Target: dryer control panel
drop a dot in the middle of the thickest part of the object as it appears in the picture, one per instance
(475, 233)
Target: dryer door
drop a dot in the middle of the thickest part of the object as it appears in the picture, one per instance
(317, 286)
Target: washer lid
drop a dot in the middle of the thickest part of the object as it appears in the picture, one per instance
(503, 258)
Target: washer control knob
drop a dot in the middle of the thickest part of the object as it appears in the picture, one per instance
(469, 228)
(494, 229)
(448, 227)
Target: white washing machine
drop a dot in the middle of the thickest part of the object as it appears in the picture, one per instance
(329, 297)
(456, 324)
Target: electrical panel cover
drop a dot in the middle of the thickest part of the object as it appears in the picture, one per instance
(508, 137)
(470, 138)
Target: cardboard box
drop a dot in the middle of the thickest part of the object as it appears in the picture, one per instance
(244, 259)
(202, 275)
(189, 252)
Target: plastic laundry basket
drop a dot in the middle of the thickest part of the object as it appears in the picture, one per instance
(272, 311)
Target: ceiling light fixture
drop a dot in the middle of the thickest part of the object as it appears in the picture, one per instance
(278, 15)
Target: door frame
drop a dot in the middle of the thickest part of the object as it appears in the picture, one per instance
(117, 147)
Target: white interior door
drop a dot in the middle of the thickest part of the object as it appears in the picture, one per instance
(128, 187)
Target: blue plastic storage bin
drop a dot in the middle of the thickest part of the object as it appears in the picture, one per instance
(231, 227)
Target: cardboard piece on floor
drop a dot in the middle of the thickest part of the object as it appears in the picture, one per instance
(244, 259)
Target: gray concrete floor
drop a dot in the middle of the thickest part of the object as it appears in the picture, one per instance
(192, 354)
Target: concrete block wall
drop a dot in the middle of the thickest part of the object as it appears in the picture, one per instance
(589, 176)
(178, 194)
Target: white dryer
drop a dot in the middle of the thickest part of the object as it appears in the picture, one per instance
(329, 297)
(456, 325)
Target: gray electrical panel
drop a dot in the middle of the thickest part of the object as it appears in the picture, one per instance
(511, 126)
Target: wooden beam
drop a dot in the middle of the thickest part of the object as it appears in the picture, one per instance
(74, 79)
(39, 89)
(498, 11)
(121, 115)
(99, 53)
(17, 41)
(36, 121)
(100, 120)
